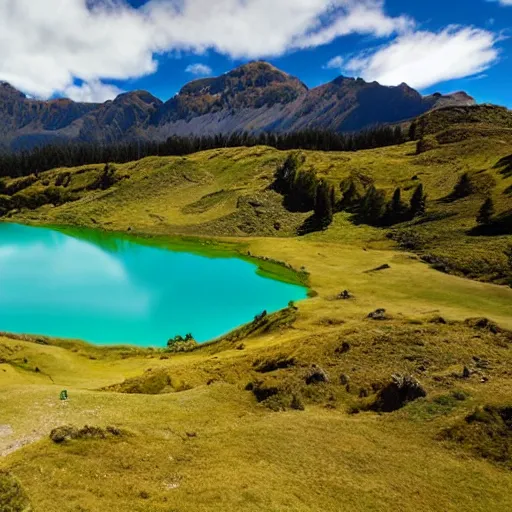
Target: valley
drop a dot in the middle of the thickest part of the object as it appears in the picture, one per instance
(292, 411)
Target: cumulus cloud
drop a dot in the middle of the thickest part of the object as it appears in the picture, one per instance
(199, 69)
(92, 92)
(423, 58)
(47, 45)
(335, 63)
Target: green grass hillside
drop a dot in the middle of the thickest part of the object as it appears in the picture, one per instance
(227, 193)
(287, 413)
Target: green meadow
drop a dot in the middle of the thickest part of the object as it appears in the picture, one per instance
(240, 423)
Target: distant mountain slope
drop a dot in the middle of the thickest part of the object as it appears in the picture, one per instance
(254, 97)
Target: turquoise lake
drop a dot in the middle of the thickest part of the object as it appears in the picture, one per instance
(108, 290)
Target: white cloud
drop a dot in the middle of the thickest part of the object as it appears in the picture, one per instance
(363, 17)
(199, 69)
(335, 63)
(422, 59)
(92, 92)
(45, 45)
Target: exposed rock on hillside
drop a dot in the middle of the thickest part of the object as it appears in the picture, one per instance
(254, 97)
(402, 389)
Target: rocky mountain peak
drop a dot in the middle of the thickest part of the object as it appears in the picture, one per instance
(142, 97)
(6, 89)
(254, 97)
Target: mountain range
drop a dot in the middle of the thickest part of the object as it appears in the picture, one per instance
(254, 97)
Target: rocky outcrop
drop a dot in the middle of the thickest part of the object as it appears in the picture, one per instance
(401, 390)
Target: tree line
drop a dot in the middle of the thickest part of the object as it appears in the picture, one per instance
(40, 159)
(304, 191)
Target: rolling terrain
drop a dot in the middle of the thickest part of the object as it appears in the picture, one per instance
(290, 412)
(255, 97)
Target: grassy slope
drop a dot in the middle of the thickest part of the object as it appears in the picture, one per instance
(224, 193)
(245, 457)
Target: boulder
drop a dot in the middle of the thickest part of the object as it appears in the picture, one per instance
(400, 391)
(316, 375)
(60, 434)
(378, 314)
(484, 324)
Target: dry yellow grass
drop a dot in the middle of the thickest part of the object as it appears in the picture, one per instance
(212, 447)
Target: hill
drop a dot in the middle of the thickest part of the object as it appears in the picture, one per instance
(300, 410)
(255, 97)
(228, 192)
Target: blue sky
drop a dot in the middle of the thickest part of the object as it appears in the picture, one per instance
(91, 50)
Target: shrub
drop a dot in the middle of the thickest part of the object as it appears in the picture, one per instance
(6, 204)
(277, 363)
(483, 324)
(426, 144)
(486, 432)
(297, 403)
(60, 435)
(12, 496)
(182, 344)
(260, 317)
(150, 383)
(276, 403)
(63, 179)
(262, 391)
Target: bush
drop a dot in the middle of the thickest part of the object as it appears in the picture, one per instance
(262, 391)
(297, 403)
(182, 344)
(106, 179)
(483, 324)
(260, 317)
(12, 496)
(6, 204)
(150, 383)
(486, 432)
(60, 435)
(37, 197)
(277, 363)
(426, 144)
(63, 179)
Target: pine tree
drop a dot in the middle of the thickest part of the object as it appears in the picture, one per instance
(304, 191)
(508, 254)
(108, 177)
(396, 208)
(372, 207)
(286, 175)
(350, 195)
(463, 188)
(418, 202)
(486, 212)
(332, 193)
(412, 131)
(323, 204)
(398, 136)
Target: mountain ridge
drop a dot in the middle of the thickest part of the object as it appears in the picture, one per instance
(254, 97)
